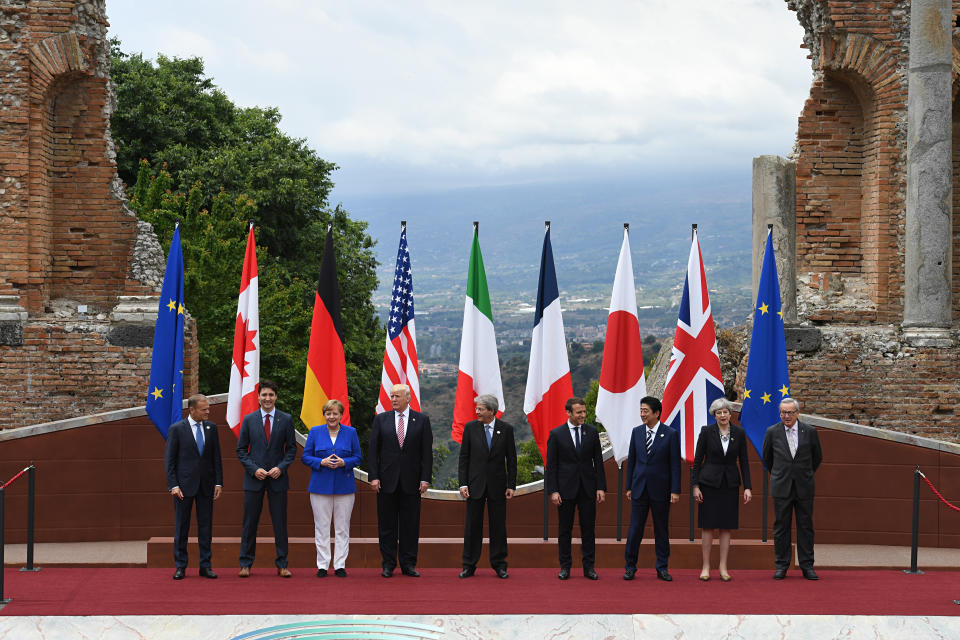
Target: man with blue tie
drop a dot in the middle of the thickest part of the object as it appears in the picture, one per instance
(576, 482)
(266, 447)
(653, 476)
(487, 471)
(194, 476)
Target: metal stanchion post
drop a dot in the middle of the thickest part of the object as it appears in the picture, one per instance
(915, 542)
(691, 503)
(546, 508)
(3, 600)
(619, 500)
(31, 511)
(766, 489)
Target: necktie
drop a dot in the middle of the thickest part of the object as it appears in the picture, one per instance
(266, 427)
(576, 432)
(649, 440)
(792, 440)
(489, 430)
(401, 432)
(199, 436)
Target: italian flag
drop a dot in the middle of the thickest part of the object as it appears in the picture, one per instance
(479, 364)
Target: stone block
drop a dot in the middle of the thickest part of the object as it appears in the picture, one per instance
(11, 333)
(128, 334)
(802, 339)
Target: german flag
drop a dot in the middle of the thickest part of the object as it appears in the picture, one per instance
(326, 366)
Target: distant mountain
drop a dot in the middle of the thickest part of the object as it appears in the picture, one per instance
(586, 229)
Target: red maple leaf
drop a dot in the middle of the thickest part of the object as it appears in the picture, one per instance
(242, 344)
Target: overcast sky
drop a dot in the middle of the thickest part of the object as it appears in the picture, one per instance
(428, 95)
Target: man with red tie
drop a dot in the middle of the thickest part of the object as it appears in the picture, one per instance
(401, 468)
(266, 447)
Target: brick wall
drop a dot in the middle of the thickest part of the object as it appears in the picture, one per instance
(851, 207)
(66, 236)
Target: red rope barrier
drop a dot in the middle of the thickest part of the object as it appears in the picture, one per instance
(932, 488)
(25, 469)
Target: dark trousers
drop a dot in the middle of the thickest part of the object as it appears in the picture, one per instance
(783, 509)
(639, 508)
(398, 521)
(182, 510)
(252, 506)
(586, 504)
(473, 531)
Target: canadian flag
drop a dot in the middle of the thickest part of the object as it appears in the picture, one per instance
(245, 367)
(622, 384)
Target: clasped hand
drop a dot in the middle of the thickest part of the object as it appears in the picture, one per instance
(333, 461)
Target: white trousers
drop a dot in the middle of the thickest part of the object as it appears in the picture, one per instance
(338, 507)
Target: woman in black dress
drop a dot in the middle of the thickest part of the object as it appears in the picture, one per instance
(716, 482)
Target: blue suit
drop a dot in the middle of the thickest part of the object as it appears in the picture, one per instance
(652, 478)
(254, 451)
(323, 479)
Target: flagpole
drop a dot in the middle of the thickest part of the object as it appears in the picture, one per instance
(693, 234)
(546, 500)
(626, 229)
(766, 476)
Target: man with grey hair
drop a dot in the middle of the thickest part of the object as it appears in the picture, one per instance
(791, 453)
(487, 473)
(194, 476)
(401, 468)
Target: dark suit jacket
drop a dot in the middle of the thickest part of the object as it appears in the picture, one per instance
(786, 471)
(488, 470)
(658, 473)
(186, 468)
(395, 467)
(711, 465)
(254, 452)
(568, 469)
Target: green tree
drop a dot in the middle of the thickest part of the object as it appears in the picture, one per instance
(528, 457)
(214, 166)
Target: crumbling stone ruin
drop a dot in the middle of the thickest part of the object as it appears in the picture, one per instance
(80, 274)
(865, 216)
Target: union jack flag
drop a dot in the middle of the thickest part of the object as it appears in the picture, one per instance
(400, 354)
(694, 379)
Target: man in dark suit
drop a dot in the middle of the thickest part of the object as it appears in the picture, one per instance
(194, 476)
(266, 447)
(791, 453)
(487, 473)
(401, 468)
(653, 474)
(575, 481)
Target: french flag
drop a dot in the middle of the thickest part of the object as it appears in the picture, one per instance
(622, 384)
(548, 379)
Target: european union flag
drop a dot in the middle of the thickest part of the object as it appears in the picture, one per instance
(768, 380)
(165, 394)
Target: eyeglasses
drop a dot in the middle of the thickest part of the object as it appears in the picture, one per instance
(787, 413)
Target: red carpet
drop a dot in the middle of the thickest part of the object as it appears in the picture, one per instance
(65, 592)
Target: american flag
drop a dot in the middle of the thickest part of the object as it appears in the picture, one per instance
(694, 379)
(400, 354)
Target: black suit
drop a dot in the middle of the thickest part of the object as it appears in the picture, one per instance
(487, 472)
(400, 472)
(196, 474)
(652, 478)
(792, 488)
(576, 475)
(255, 452)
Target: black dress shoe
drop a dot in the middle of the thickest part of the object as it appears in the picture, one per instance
(564, 574)
(386, 573)
(590, 574)
(629, 572)
(179, 574)
(340, 573)
(810, 574)
(502, 573)
(779, 574)
(663, 575)
(467, 572)
(321, 573)
(410, 571)
(207, 572)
